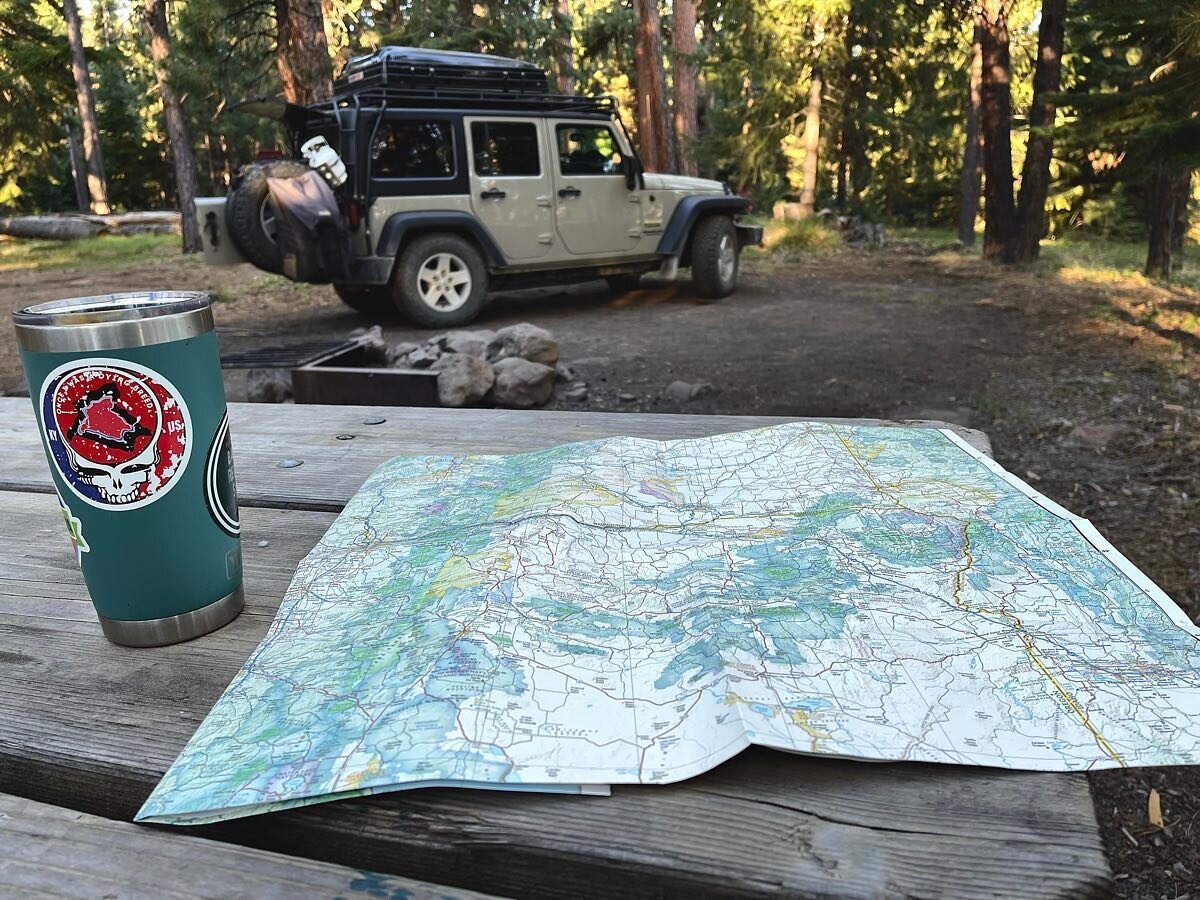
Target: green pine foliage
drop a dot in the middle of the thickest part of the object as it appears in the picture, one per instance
(892, 118)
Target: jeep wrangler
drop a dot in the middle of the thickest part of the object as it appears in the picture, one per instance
(453, 174)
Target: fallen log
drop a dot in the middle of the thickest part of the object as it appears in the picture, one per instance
(52, 227)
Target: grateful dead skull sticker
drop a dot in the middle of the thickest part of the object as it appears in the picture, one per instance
(119, 432)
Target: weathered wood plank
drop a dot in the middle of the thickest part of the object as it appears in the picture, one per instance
(333, 469)
(92, 726)
(55, 852)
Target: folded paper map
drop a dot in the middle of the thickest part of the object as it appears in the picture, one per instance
(629, 611)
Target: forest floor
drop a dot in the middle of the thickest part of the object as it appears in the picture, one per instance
(1086, 378)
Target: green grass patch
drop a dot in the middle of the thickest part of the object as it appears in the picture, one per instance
(105, 251)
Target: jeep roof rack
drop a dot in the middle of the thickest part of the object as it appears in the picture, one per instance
(414, 98)
(414, 68)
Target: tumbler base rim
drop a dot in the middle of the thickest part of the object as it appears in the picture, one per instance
(174, 629)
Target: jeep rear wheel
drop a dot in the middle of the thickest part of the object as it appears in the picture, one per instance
(369, 301)
(440, 281)
(715, 257)
(250, 216)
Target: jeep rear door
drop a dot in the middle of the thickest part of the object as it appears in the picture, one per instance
(595, 213)
(510, 187)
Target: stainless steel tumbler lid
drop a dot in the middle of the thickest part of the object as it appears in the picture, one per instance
(113, 321)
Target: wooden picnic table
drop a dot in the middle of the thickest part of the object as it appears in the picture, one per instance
(89, 727)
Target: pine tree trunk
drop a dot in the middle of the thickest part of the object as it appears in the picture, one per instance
(1035, 173)
(1171, 189)
(1182, 219)
(97, 184)
(1162, 216)
(302, 53)
(78, 175)
(971, 182)
(182, 156)
(564, 61)
(684, 76)
(653, 131)
(812, 144)
(1000, 214)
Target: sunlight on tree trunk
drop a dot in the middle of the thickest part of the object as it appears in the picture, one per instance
(1035, 173)
(812, 144)
(302, 57)
(684, 75)
(97, 184)
(177, 134)
(971, 181)
(563, 56)
(995, 121)
(653, 131)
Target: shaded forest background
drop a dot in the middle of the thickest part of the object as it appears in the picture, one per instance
(1028, 117)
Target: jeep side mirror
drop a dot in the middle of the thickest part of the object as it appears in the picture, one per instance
(629, 165)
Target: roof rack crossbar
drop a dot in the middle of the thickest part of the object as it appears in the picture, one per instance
(373, 95)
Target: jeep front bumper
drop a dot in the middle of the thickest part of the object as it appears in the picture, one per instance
(749, 235)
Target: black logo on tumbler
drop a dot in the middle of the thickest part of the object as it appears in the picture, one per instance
(220, 489)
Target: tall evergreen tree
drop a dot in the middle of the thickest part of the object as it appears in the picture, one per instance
(302, 52)
(654, 130)
(97, 183)
(180, 140)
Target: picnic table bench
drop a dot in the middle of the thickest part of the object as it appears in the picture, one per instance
(89, 727)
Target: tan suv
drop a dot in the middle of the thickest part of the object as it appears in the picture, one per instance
(455, 174)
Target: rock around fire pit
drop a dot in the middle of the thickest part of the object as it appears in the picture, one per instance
(514, 367)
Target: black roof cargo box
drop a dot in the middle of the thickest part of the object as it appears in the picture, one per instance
(413, 68)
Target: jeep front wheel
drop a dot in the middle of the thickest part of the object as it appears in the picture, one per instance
(440, 281)
(715, 257)
(250, 216)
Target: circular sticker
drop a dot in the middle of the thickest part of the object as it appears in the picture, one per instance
(119, 433)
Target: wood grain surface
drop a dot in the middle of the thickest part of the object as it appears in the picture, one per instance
(55, 852)
(337, 450)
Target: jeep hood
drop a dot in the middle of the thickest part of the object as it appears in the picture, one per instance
(661, 181)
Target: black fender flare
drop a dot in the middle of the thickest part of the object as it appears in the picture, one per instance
(688, 212)
(391, 236)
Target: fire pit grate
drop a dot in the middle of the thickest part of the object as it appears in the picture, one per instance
(289, 357)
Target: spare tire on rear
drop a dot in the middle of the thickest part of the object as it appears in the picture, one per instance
(250, 217)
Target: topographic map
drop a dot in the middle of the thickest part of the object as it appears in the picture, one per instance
(630, 611)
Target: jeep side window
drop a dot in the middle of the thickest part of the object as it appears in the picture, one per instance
(413, 149)
(587, 150)
(505, 148)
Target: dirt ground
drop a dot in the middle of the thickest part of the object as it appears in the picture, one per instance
(1089, 387)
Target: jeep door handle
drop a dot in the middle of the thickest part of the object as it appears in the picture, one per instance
(569, 192)
(493, 194)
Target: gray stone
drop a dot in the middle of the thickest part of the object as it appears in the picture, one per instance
(472, 343)
(525, 341)
(626, 398)
(682, 392)
(463, 380)
(423, 357)
(563, 372)
(521, 383)
(269, 386)
(576, 392)
(398, 353)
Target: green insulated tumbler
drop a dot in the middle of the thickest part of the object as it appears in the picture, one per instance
(129, 401)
